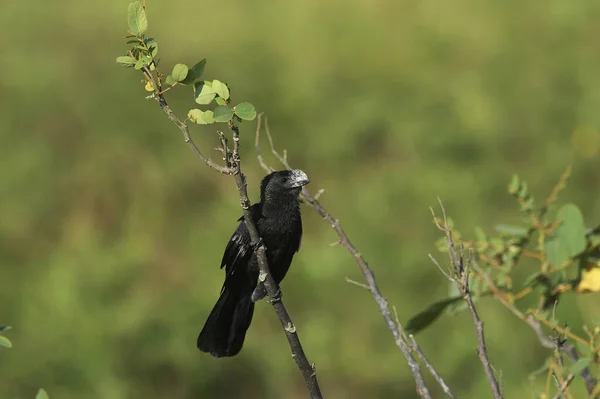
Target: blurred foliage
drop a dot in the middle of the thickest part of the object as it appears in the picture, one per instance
(5, 342)
(111, 231)
(567, 257)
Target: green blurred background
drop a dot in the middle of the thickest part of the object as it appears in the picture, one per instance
(111, 231)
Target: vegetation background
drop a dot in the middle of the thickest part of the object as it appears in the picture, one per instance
(111, 231)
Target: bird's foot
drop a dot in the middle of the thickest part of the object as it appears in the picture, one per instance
(258, 244)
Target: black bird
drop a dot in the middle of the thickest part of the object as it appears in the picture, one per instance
(277, 217)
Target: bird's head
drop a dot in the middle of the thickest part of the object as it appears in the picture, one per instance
(283, 182)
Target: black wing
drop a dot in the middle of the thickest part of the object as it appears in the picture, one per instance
(239, 249)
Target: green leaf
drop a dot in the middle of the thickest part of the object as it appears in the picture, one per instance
(572, 229)
(126, 61)
(136, 18)
(535, 279)
(513, 187)
(145, 60)
(194, 73)
(153, 49)
(555, 252)
(223, 114)
(522, 192)
(578, 366)
(569, 239)
(170, 80)
(42, 394)
(203, 93)
(245, 111)
(220, 101)
(180, 71)
(429, 315)
(201, 117)
(221, 89)
(5, 342)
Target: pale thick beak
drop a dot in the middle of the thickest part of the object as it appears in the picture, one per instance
(298, 178)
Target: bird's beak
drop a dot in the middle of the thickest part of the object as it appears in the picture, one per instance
(298, 178)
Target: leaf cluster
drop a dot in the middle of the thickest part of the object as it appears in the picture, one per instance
(142, 55)
(565, 257)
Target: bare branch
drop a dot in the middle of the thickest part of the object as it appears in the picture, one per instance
(432, 370)
(415, 348)
(563, 387)
(435, 262)
(460, 272)
(366, 287)
(362, 264)
(261, 160)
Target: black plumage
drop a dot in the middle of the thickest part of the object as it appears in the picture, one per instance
(279, 223)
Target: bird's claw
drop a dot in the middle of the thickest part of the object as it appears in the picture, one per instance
(258, 243)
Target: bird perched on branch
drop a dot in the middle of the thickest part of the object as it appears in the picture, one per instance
(279, 223)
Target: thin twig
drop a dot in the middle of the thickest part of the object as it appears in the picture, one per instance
(562, 389)
(361, 285)
(181, 125)
(460, 271)
(435, 262)
(415, 348)
(430, 367)
(364, 267)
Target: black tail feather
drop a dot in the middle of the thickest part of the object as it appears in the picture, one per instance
(225, 329)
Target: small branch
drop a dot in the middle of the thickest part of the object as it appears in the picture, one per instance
(460, 274)
(362, 264)
(558, 187)
(561, 330)
(562, 389)
(415, 347)
(261, 160)
(181, 125)
(435, 262)
(308, 370)
(361, 285)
